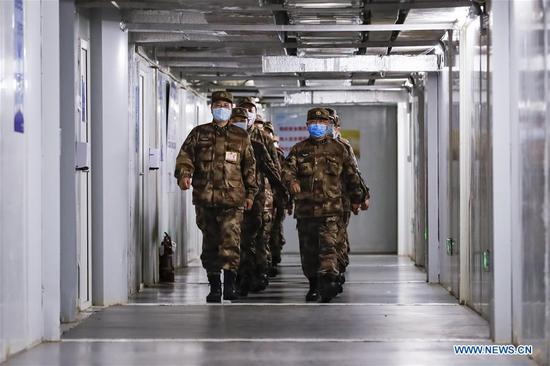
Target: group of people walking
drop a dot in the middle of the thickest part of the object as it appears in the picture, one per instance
(243, 186)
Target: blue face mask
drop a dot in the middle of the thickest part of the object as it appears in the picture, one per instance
(317, 130)
(221, 114)
(241, 124)
(330, 131)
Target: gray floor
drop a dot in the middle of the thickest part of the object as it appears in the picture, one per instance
(387, 315)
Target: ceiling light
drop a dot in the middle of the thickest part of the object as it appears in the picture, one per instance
(324, 5)
(115, 4)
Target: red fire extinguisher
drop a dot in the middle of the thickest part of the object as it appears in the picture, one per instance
(166, 264)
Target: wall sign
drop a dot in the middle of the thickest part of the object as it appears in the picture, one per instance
(291, 129)
(19, 48)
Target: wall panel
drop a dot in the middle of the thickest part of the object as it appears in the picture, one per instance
(530, 50)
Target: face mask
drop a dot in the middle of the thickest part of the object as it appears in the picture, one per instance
(335, 135)
(221, 114)
(317, 130)
(241, 124)
(251, 118)
(330, 131)
(276, 144)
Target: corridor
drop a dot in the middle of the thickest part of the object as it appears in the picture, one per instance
(207, 139)
(387, 315)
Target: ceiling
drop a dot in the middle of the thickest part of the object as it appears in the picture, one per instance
(214, 44)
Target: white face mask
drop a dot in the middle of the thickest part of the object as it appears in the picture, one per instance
(251, 118)
(276, 143)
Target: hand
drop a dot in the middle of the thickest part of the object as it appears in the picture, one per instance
(184, 183)
(365, 205)
(248, 204)
(355, 208)
(295, 187)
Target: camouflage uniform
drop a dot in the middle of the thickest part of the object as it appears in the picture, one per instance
(221, 162)
(324, 170)
(280, 202)
(343, 238)
(255, 256)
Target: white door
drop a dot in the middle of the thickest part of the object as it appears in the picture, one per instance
(83, 184)
(141, 183)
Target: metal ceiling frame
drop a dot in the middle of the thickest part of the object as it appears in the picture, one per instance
(255, 28)
(180, 5)
(262, 44)
(246, 57)
(391, 63)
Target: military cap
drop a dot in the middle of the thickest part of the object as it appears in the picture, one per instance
(239, 112)
(247, 102)
(318, 113)
(333, 116)
(222, 95)
(269, 126)
(259, 119)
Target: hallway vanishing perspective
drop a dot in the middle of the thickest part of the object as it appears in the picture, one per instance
(388, 315)
(275, 182)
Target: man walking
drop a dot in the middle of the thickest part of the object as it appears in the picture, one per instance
(218, 161)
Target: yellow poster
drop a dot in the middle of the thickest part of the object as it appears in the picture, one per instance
(354, 138)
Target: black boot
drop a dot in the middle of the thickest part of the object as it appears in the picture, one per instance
(328, 288)
(273, 270)
(313, 293)
(243, 286)
(340, 282)
(229, 291)
(215, 294)
(259, 283)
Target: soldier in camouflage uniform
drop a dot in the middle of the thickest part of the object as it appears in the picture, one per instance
(343, 239)
(254, 258)
(280, 201)
(318, 171)
(258, 280)
(218, 161)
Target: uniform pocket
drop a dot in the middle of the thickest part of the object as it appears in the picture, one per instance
(332, 166)
(232, 171)
(305, 166)
(204, 157)
(204, 152)
(331, 182)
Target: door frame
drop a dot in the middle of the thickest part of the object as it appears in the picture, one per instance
(87, 302)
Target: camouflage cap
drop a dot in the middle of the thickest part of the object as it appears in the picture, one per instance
(318, 113)
(269, 126)
(248, 101)
(222, 95)
(331, 112)
(333, 116)
(239, 112)
(259, 119)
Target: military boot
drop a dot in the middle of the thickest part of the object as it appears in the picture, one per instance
(340, 282)
(273, 270)
(313, 293)
(259, 282)
(215, 294)
(229, 291)
(328, 287)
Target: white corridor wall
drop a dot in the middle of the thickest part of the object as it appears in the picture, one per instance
(29, 176)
